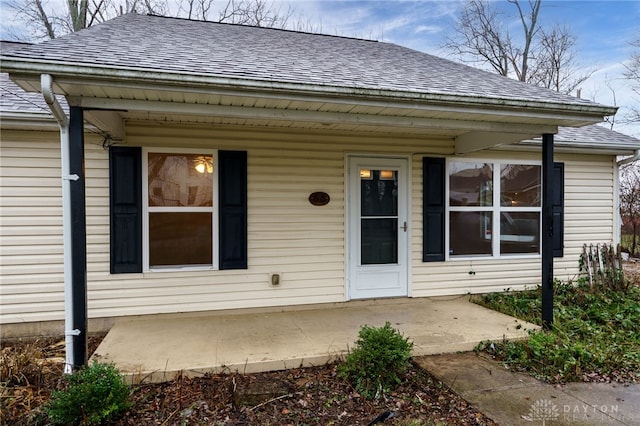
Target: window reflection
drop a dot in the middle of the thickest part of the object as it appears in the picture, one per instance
(520, 232)
(520, 185)
(176, 180)
(470, 184)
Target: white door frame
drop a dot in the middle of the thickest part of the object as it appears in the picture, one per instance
(385, 280)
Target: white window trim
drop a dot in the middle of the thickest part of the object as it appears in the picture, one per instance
(496, 209)
(146, 210)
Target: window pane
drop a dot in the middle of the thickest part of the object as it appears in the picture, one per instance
(470, 184)
(379, 241)
(180, 239)
(470, 233)
(379, 192)
(519, 232)
(520, 185)
(180, 180)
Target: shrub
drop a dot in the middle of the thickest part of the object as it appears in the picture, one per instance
(380, 357)
(93, 395)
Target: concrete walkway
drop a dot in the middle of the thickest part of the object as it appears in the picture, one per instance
(157, 349)
(518, 399)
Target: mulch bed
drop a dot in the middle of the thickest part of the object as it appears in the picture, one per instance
(301, 396)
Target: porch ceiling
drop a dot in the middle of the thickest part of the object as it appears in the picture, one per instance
(475, 126)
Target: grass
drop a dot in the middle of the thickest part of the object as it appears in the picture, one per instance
(594, 338)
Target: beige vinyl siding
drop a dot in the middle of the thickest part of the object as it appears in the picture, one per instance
(287, 235)
(31, 227)
(589, 207)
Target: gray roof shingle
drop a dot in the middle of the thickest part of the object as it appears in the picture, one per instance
(162, 44)
(595, 135)
(14, 99)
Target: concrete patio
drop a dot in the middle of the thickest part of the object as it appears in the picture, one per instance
(159, 348)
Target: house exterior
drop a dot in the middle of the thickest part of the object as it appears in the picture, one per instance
(229, 167)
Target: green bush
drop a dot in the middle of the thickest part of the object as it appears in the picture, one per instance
(380, 357)
(92, 395)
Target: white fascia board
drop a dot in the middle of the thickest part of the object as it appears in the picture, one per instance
(311, 116)
(564, 148)
(28, 120)
(143, 77)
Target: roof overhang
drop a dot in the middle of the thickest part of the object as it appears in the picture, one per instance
(570, 147)
(27, 120)
(137, 94)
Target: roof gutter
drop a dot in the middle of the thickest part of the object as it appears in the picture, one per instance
(46, 82)
(634, 157)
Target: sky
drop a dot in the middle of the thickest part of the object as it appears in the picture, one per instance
(603, 30)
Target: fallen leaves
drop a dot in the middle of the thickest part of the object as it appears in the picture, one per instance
(312, 396)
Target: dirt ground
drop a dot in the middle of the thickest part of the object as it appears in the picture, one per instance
(303, 396)
(632, 266)
(632, 270)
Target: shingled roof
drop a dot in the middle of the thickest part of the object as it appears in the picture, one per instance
(172, 45)
(12, 97)
(596, 135)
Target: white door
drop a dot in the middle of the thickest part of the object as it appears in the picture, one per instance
(378, 232)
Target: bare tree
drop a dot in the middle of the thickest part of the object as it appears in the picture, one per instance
(480, 37)
(632, 73)
(45, 21)
(539, 57)
(555, 66)
(195, 9)
(530, 28)
(259, 13)
(630, 204)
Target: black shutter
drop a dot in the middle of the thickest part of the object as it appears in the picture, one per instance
(433, 206)
(558, 209)
(125, 209)
(232, 180)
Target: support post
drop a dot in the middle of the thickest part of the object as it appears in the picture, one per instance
(78, 235)
(547, 230)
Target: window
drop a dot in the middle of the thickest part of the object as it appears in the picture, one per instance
(214, 202)
(180, 210)
(494, 208)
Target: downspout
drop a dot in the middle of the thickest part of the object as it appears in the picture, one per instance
(46, 82)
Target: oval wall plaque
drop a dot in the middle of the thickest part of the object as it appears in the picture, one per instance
(319, 198)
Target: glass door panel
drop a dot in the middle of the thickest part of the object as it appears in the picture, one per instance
(378, 216)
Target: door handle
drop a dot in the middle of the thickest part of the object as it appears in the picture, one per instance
(404, 227)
